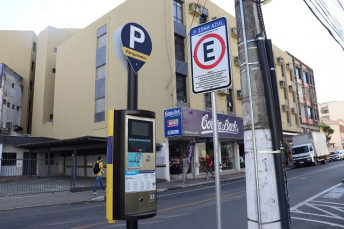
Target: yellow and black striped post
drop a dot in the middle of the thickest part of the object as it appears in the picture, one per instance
(110, 178)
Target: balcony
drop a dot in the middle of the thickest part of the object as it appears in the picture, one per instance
(302, 101)
(304, 120)
(300, 81)
(309, 103)
(311, 122)
(306, 85)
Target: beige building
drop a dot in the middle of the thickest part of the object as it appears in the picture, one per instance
(332, 110)
(43, 106)
(337, 138)
(18, 52)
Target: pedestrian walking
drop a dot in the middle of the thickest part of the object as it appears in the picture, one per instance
(209, 168)
(98, 169)
(242, 163)
(186, 164)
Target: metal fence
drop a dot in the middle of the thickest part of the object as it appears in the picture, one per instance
(30, 175)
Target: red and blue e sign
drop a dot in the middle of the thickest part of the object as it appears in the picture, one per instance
(210, 65)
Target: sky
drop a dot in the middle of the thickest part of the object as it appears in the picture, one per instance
(289, 24)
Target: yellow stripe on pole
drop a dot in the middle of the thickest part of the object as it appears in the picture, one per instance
(109, 195)
(111, 115)
(134, 54)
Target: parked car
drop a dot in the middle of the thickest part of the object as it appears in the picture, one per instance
(337, 155)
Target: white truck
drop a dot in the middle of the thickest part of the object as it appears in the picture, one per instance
(309, 148)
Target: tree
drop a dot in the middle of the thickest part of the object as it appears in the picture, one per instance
(327, 130)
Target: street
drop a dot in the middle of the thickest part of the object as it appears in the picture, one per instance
(316, 201)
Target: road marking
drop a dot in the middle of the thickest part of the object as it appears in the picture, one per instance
(197, 189)
(326, 202)
(312, 198)
(318, 221)
(167, 209)
(20, 216)
(314, 172)
(322, 210)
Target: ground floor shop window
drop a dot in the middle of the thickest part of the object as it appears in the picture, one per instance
(227, 155)
(177, 149)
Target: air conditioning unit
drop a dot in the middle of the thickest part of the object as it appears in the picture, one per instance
(195, 9)
(283, 83)
(223, 91)
(289, 67)
(285, 107)
(234, 32)
(293, 110)
(280, 60)
(291, 87)
(239, 95)
(236, 61)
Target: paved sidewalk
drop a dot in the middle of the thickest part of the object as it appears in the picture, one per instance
(48, 199)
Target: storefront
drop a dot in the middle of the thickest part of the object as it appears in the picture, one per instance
(190, 131)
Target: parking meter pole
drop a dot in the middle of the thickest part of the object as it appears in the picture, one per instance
(132, 89)
(216, 160)
(132, 224)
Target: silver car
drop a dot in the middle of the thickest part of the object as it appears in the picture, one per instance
(337, 155)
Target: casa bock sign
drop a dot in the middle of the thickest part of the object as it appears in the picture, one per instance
(190, 122)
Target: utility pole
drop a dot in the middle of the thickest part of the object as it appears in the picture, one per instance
(266, 197)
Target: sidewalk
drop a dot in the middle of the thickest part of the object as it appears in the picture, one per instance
(48, 199)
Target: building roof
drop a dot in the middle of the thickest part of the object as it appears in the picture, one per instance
(65, 142)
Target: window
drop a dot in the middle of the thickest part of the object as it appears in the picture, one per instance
(51, 159)
(100, 72)
(9, 159)
(178, 12)
(34, 47)
(12, 85)
(101, 42)
(100, 105)
(4, 102)
(32, 66)
(202, 19)
(288, 118)
(230, 102)
(181, 87)
(18, 108)
(324, 111)
(207, 101)
(31, 86)
(13, 106)
(310, 113)
(291, 76)
(285, 93)
(296, 118)
(55, 49)
(54, 70)
(51, 117)
(8, 104)
(179, 48)
(297, 72)
(294, 97)
(305, 79)
(282, 71)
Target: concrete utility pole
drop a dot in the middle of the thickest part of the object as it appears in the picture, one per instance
(263, 207)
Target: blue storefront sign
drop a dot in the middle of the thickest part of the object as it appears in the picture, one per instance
(190, 122)
(173, 122)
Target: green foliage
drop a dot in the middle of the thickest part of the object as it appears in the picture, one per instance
(326, 129)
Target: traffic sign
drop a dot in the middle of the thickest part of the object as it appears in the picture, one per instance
(136, 45)
(210, 64)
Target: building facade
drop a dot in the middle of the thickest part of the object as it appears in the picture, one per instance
(11, 95)
(306, 96)
(332, 110)
(18, 52)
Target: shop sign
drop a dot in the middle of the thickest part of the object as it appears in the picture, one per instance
(200, 123)
(173, 122)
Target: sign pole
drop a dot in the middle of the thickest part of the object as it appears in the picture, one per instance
(216, 160)
(132, 89)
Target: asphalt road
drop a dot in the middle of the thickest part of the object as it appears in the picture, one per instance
(316, 200)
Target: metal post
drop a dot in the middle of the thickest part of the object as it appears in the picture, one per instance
(132, 89)
(252, 115)
(216, 160)
(132, 224)
(75, 165)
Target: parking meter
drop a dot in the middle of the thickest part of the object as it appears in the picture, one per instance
(134, 177)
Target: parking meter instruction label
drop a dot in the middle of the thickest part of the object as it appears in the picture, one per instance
(210, 63)
(138, 181)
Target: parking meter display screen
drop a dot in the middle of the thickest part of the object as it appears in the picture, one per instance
(140, 136)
